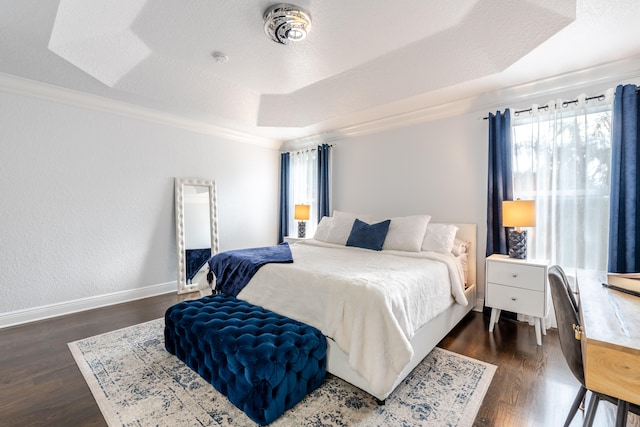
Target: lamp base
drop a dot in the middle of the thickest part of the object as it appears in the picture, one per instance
(302, 229)
(518, 244)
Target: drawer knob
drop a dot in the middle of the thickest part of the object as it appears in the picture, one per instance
(514, 274)
(513, 298)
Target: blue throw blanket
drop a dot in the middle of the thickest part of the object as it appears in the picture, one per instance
(234, 269)
(195, 259)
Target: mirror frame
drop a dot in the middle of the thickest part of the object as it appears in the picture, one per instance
(183, 287)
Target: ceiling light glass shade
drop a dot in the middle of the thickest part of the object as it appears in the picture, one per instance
(285, 23)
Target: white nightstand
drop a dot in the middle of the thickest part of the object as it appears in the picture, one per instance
(293, 239)
(519, 286)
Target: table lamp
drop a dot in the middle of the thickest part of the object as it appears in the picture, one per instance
(518, 213)
(301, 213)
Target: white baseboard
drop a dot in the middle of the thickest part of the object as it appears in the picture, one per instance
(479, 305)
(53, 310)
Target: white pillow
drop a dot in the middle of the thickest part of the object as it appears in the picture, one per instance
(460, 247)
(322, 232)
(464, 260)
(406, 233)
(341, 224)
(439, 238)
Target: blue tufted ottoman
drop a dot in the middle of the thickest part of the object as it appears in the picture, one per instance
(263, 362)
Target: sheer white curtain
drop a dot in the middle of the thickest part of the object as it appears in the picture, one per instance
(561, 159)
(304, 187)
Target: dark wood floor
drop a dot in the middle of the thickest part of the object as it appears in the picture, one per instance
(40, 384)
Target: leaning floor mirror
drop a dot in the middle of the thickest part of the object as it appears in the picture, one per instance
(196, 230)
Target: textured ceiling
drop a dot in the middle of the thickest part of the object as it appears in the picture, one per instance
(360, 55)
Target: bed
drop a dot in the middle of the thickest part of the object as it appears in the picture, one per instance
(371, 305)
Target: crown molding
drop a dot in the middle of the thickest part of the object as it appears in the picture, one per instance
(34, 89)
(570, 84)
(613, 73)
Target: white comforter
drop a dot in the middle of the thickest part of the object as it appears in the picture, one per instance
(371, 303)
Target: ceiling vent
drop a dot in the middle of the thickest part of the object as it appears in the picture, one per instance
(285, 23)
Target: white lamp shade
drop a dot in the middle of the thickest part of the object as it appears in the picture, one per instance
(301, 212)
(519, 213)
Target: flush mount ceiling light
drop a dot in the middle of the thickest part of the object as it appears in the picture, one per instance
(285, 23)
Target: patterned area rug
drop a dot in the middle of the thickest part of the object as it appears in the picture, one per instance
(137, 383)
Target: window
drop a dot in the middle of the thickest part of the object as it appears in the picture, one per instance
(561, 159)
(303, 188)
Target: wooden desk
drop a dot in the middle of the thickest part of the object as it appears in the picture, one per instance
(611, 338)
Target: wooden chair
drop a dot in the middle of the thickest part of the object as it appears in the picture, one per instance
(568, 318)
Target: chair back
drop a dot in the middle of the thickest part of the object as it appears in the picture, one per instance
(566, 315)
(572, 298)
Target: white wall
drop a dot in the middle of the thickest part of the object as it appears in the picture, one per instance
(438, 168)
(87, 199)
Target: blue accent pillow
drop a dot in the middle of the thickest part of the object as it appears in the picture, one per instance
(368, 236)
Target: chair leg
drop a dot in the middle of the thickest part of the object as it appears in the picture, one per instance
(576, 404)
(621, 416)
(591, 411)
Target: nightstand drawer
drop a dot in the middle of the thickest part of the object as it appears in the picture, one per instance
(517, 275)
(518, 300)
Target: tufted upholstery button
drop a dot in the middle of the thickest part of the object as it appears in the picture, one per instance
(262, 361)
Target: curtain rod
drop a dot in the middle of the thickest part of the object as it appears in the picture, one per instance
(565, 104)
(303, 150)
